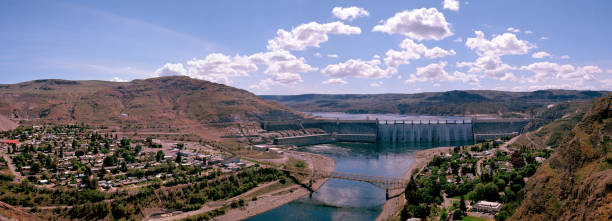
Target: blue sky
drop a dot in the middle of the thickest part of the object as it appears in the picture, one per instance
(295, 47)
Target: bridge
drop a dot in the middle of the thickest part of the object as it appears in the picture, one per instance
(386, 183)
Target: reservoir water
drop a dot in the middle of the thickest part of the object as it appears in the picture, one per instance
(352, 200)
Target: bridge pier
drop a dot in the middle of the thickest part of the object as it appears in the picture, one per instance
(386, 194)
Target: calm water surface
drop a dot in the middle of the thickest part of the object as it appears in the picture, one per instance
(344, 199)
(352, 200)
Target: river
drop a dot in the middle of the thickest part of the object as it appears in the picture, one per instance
(352, 200)
(344, 199)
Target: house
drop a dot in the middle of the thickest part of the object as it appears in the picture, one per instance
(260, 147)
(230, 161)
(487, 207)
(10, 142)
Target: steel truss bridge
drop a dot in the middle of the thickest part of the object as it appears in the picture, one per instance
(386, 183)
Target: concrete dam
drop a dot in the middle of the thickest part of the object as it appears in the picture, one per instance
(399, 132)
(403, 132)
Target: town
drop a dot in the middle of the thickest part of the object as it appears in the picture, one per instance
(74, 168)
(481, 181)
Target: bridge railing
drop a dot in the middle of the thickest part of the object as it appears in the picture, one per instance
(379, 181)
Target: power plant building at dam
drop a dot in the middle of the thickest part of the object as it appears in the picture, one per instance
(397, 131)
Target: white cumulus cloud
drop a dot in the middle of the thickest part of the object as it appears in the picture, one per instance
(505, 44)
(264, 84)
(337, 81)
(117, 79)
(332, 55)
(452, 5)
(220, 68)
(170, 69)
(515, 30)
(540, 54)
(283, 66)
(358, 68)
(491, 66)
(349, 13)
(413, 51)
(420, 24)
(436, 72)
(551, 70)
(309, 35)
(376, 84)
(214, 67)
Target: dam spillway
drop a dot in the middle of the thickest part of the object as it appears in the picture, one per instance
(376, 131)
(407, 132)
(398, 129)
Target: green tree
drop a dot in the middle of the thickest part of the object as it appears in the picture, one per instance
(178, 158)
(35, 168)
(159, 156)
(137, 149)
(462, 206)
(111, 161)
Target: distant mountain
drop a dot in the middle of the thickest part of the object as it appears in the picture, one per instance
(152, 102)
(576, 182)
(434, 103)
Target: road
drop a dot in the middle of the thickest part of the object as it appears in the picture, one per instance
(210, 205)
(503, 147)
(11, 166)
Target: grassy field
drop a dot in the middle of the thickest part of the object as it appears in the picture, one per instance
(473, 218)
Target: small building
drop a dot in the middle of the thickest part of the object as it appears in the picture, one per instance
(487, 207)
(260, 147)
(16, 142)
(230, 161)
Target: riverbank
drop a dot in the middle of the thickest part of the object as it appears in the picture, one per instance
(275, 199)
(268, 200)
(421, 158)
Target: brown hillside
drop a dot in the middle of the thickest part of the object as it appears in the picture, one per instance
(6, 124)
(576, 182)
(10, 213)
(153, 102)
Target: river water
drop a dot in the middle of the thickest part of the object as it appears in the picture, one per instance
(353, 200)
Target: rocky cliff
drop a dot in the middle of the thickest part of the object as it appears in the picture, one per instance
(576, 182)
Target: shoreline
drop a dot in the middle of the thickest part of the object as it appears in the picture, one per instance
(268, 201)
(421, 158)
(278, 198)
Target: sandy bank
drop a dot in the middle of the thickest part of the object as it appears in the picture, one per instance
(283, 196)
(421, 158)
(269, 200)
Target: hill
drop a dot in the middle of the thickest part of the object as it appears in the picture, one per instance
(6, 124)
(549, 126)
(576, 182)
(152, 102)
(8, 212)
(435, 103)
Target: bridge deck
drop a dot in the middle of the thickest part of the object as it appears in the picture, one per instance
(386, 183)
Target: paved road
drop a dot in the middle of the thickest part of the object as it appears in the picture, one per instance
(503, 147)
(12, 167)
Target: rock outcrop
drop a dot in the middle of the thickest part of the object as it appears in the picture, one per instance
(576, 182)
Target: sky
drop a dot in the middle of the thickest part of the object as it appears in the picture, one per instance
(298, 47)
